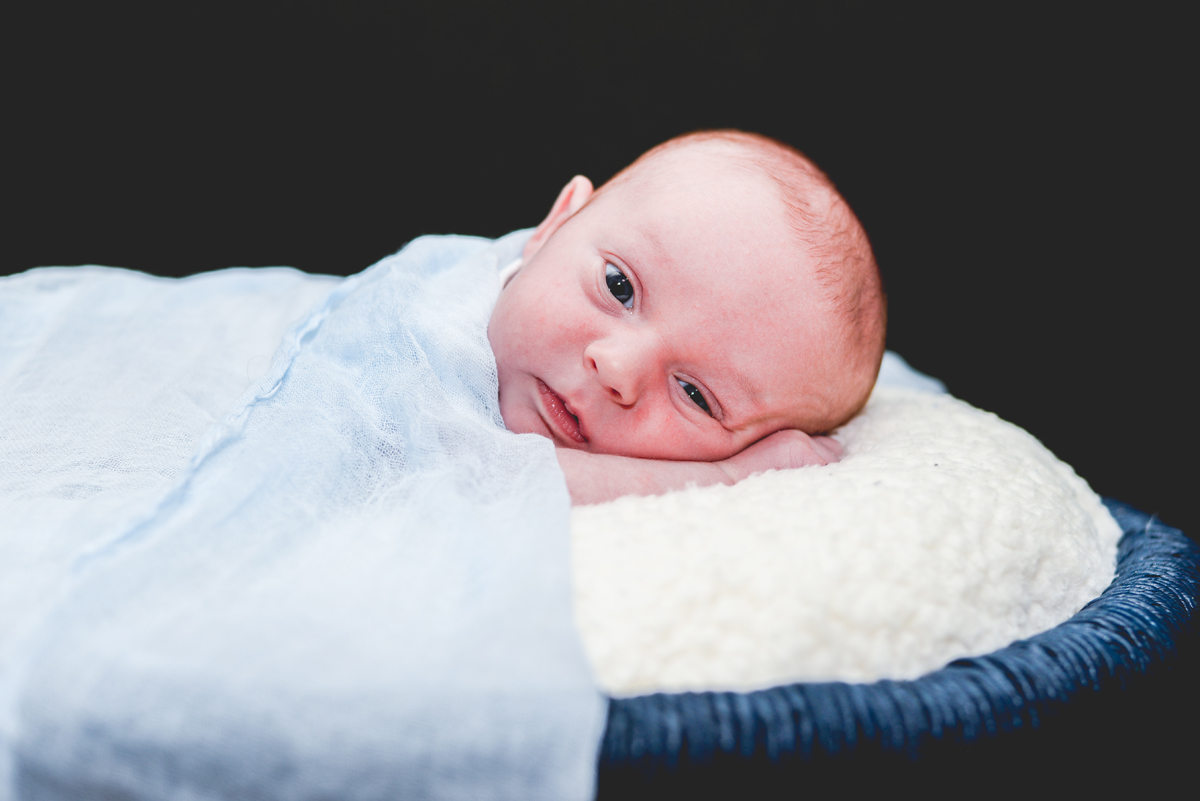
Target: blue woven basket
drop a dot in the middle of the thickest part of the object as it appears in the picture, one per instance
(1100, 686)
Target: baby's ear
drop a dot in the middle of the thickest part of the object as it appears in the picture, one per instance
(570, 200)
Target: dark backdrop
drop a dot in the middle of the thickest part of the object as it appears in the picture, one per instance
(1021, 169)
(1018, 167)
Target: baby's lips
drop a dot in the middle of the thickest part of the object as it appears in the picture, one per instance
(558, 410)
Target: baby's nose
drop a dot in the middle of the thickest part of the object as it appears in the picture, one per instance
(620, 369)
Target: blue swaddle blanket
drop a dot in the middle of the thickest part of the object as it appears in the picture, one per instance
(357, 587)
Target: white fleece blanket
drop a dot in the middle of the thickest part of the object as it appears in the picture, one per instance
(943, 532)
(357, 586)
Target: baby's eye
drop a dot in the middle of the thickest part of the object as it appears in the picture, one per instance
(696, 395)
(619, 285)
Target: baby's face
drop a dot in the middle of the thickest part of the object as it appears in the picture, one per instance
(673, 317)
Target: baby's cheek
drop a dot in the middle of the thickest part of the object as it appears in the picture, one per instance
(663, 439)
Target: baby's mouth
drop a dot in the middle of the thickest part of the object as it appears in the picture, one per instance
(560, 415)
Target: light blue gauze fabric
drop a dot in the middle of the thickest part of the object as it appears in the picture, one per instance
(358, 587)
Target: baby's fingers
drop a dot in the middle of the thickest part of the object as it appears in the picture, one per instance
(781, 451)
(829, 448)
(790, 448)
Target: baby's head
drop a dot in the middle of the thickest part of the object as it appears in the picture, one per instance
(715, 291)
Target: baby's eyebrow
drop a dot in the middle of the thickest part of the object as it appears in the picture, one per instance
(659, 253)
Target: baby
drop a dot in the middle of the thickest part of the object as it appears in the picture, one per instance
(705, 315)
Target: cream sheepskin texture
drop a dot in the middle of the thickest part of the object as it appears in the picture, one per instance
(944, 532)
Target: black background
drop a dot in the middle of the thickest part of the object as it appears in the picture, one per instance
(1020, 168)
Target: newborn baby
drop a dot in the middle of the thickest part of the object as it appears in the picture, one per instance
(705, 315)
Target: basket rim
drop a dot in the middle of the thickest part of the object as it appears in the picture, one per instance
(1134, 627)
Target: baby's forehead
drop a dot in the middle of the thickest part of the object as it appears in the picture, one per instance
(711, 227)
(685, 200)
(705, 166)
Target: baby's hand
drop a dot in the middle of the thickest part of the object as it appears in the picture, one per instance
(780, 451)
(599, 477)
